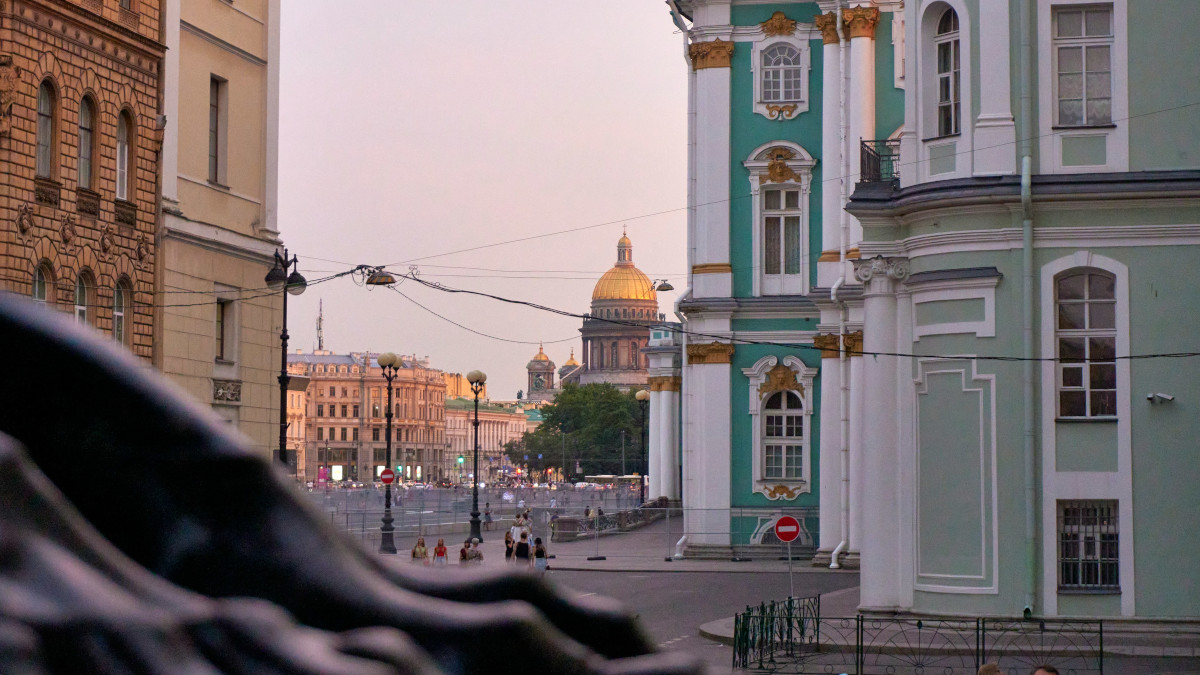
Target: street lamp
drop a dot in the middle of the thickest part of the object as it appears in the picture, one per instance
(477, 378)
(389, 363)
(643, 399)
(279, 280)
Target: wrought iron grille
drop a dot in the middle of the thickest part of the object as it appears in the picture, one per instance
(880, 161)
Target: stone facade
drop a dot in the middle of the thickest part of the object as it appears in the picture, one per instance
(498, 424)
(72, 224)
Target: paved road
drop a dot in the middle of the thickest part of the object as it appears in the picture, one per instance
(672, 605)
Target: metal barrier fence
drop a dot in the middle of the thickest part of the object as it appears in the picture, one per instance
(789, 627)
(583, 524)
(871, 646)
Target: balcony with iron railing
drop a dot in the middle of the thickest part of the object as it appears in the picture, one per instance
(880, 161)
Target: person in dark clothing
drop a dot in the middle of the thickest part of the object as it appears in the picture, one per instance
(540, 559)
(508, 546)
(521, 552)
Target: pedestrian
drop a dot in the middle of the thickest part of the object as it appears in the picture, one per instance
(521, 503)
(464, 553)
(420, 554)
(508, 546)
(487, 515)
(476, 555)
(521, 552)
(517, 526)
(990, 669)
(541, 561)
(439, 554)
(1045, 669)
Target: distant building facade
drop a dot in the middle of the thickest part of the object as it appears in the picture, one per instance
(345, 431)
(79, 89)
(540, 372)
(219, 333)
(498, 425)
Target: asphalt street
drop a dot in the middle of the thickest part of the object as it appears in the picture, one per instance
(672, 605)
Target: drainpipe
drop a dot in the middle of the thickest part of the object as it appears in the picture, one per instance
(1029, 448)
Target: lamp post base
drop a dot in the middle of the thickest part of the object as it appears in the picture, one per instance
(387, 542)
(476, 532)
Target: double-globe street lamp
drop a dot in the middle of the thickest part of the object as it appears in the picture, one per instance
(278, 279)
(477, 378)
(643, 399)
(389, 363)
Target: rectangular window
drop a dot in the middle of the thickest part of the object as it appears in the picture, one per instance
(320, 410)
(375, 434)
(332, 391)
(355, 437)
(344, 411)
(320, 433)
(781, 232)
(215, 87)
(343, 433)
(355, 412)
(1083, 43)
(1086, 338)
(948, 82)
(1088, 558)
(221, 329)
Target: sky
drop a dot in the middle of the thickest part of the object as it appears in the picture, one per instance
(413, 129)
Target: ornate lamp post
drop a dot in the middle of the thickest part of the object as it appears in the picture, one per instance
(279, 280)
(477, 378)
(643, 399)
(389, 363)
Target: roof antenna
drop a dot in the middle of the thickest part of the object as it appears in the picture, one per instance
(320, 325)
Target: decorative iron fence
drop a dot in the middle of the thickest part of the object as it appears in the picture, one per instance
(788, 628)
(879, 161)
(874, 646)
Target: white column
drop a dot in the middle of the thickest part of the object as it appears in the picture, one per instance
(654, 470)
(831, 150)
(711, 274)
(856, 451)
(995, 130)
(663, 453)
(707, 375)
(881, 538)
(860, 26)
(670, 481)
(906, 451)
(831, 460)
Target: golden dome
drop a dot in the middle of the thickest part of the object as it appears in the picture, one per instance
(541, 355)
(624, 281)
(571, 361)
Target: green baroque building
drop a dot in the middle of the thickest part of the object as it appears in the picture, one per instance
(925, 238)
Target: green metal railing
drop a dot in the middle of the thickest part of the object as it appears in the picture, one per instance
(785, 627)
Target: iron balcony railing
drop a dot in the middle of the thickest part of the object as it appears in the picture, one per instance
(880, 161)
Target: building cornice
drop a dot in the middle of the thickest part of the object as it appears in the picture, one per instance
(227, 46)
(218, 239)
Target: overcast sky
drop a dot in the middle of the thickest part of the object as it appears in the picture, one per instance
(412, 129)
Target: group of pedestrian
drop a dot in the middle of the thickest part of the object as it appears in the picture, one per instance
(468, 555)
(519, 550)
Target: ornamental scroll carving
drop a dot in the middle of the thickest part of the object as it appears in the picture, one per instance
(853, 343)
(781, 112)
(67, 228)
(861, 21)
(712, 54)
(895, 269)
(828, 344)
(778, 25)
(227, 391)
(24, 218)
(780, 378)
(712, 352)
(778, 170)
(10, 75)
(827, 24)
(774, 492)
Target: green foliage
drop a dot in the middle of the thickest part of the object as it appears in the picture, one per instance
(590, 418)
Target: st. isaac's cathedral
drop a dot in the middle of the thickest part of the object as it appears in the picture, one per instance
(615, 331)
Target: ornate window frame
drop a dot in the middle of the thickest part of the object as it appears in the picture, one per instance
(766, 377)
(778, 164)
(781, 110)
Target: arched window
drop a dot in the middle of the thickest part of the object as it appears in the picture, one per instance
(949, 107)
(122, 296)
(781, 74)
(125, 143)
(615, 351)
(43, 285)
(83, 296)
(45, 130)
(1086, 337)
(87, 139)
(633, 355)
(783, 436)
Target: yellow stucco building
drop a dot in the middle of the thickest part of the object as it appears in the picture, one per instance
(219, 334)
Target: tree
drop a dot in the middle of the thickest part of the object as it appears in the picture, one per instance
(587, 420)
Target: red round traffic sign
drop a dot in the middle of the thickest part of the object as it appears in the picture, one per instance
(787, 528)
(387, 476)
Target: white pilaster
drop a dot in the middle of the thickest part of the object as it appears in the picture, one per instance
(906, 452)
(671, 447)
(712, 182)
(831, 163)
(862, 109)
(831, 460)
(995, 130)
(654, 458)
(856, 452)
(881, 539)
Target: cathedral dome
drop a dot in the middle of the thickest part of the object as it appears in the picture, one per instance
(540, 361)
(571, 361)
(624, 281)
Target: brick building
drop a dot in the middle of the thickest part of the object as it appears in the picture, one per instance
(80, 93)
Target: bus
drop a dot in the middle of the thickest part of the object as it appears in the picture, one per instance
(609, 481)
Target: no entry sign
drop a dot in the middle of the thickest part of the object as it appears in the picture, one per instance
(787, 528)
(387, 476)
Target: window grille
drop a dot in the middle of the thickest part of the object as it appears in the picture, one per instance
(1088, 557)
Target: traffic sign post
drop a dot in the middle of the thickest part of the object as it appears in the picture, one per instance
(787, 529)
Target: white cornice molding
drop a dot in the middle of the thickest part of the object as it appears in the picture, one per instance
(218, 239)
(1048, 237)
